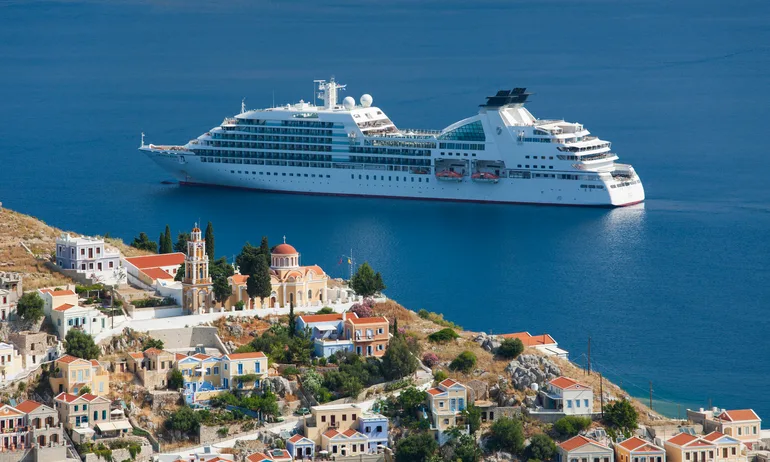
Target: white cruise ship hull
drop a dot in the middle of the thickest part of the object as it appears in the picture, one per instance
(189, 170)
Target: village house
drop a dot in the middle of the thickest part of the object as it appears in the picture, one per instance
(205, 375)
(370, 336)
(327, 332)
(345, 443)
(243, 370)
(10, 362)
(31, 431)
(635, 449)
(152, 367)
(53, 298)
(70, 374)
(742, 424)
(542, 342)
(10, 293)
(340, 417)
(273, 455)
(143, 271)
(583, 449)
(89, 257)
(446, 402)
(85, 414)
(66, 316)
(567, 396)
(714, 447)
(301, 447)
(35, 347)
(375, 428)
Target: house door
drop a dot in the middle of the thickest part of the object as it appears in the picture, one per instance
(334, 421)
(298, 454)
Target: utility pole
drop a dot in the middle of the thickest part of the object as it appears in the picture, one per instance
(589, 355)
(678, 412)
(650, 394)
(601, 392)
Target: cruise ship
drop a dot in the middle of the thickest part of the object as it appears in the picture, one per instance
(502, 154)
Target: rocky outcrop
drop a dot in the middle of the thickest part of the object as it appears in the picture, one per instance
(281, 386)
(487, 342)
(531, 369)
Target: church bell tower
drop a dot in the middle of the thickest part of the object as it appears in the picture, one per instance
(197, 292)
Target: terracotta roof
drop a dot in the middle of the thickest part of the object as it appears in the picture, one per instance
(156, 273)
(255, 354)
(154, 261)
(136, 355)
(682, 438)
(28, 406)
(239, 278)
(350, 432)
(739, 415)
(530, 340)
(284, 249)
(331, 433)
(257, 457)
(449, 382)
(637, 444)
(200, 356)
(64, 307)
(322, 317)
(372, 320)
(295, 438)
(154, 351)
(713, 436)
(435, 391)
(88, 397)
(564, 382)
(95, 363)
(179, 356)
(577, 442)
(66, 397)
(69, 359)
(8, 410)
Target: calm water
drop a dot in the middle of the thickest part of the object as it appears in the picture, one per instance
(675, 292)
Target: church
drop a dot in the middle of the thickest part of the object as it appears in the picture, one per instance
(292, 283)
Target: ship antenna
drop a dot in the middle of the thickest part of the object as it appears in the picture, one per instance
(273, 99)
(142, 139)
(243, 105)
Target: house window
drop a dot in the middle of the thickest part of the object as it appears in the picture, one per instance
(440, 404)
(368, 429)
(111, 264)
(585, 401)
(76, 406)
(569, 404)
(344, 417)
(711, 454)
(96, 416)
(733, 450)
(446, 421)
(353, 417)
(216, 371)
(687, 456)
(104, 415)
(323, 418)
(577, 403)
(740, 431)
(724, 452)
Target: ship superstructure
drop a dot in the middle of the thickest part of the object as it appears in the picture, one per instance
(501, 154)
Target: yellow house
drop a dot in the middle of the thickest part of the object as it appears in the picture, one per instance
(10, 362)
(635, 449)
(291, 282)
(741, 424)
(339, 417)
(70, 374)
(446, 402)
(243, 370)
(714, 447)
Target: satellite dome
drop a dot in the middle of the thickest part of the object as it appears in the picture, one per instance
(366, 100)
(348, 103)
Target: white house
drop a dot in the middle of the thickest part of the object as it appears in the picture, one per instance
(10, 362)
(53, 298)
(90, 257)
(582, 449)
(568, 396)
(145, 270)
(68, 316)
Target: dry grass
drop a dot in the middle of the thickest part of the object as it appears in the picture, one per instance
(249, 325)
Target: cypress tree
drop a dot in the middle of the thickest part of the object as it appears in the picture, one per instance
(292, 320)
(264, 249)
(395, 327)
(161, 243)
(210, 240)
(168, 244)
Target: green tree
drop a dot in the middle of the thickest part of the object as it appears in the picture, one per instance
(166, 244)
(541, 447)
(184, 420)
(366, 282)
(473, 417)
(510, 348)
(264, 250)
(300, 349)
(84, 390)
(417, 447)
(443, 336)
(465, 449)
(150, 342)
(506, 435)
(464, 362)
(621, 415)
(259, 283)
(180, 272)
(395, 327)
(325, 310)
(398, 361)
(30, 307)
(569, 426)
(209, 236)
(439, 376)
(78, 343)
(222, 289)
(292, 320)
(181, 242)
(246, 260)
(143, 242)
(175, 380)
(161, 247)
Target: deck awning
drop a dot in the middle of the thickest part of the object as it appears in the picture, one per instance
(114, 426)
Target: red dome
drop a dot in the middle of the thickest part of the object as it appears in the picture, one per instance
(284, 249)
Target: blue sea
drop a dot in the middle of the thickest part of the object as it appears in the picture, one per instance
(675, 292)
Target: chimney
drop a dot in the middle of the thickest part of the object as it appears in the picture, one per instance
(344, 316)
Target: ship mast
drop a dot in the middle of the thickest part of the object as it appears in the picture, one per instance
(327, 91)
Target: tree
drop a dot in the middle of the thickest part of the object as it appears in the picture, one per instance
(506, 435)
(166, 245)
(142, 242)
(292, 320)
(464, 362)
(247, 259)
(430, 359)
(364, 309)
(465, 449)
(152, 343)
(571, 425)
(473, 417)
(180, 272)
(510, 348)
(259, 283)
(366, 282)
(78, 343)
(395, 327)
(210, 241)
(398, 361)
(184, 420)
(541, 447)
(161, 248)
(30, 307)
(84, 390)
(417, 447)
(264, 250)
(621, 415)
(222, 289)
(181, 242)
(443, 336)
(175, 380)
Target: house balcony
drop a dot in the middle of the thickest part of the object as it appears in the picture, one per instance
(8, 430)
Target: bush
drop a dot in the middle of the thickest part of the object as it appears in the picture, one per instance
(622, 416)
(78, 343)
(30, 307)
(430, 359)
(443, 336)
(398, 384)
(325, 310)
(184, 420)
(440, 376)
(291, 370)
(437, 318)
(569, 426)
(176, 380)
(364, 309)
(511, 348)
(464, 362)
(541, 447)
(417, 447)
(398, 361)
(506, 435)
(239, 305)
(223, 432)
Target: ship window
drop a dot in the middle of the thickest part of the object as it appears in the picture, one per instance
(550, 157)
(551, 167)
(518, 166)
(419, 180)
(313, 175)
(359, 177)
(261, 173)
(427, 180)
(527, 166)
(283, 174)
(367, 177)
(328, 176)
(526, 157)
(412, 179)
(542, 157)
(291, 174)
(305, 175)
(232, 171)
(474, 154)
(351, 176)
(465, 154)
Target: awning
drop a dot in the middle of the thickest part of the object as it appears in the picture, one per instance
(114, 426)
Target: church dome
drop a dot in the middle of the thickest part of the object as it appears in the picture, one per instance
(284, 249)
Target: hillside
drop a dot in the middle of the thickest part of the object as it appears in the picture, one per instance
(18, 230)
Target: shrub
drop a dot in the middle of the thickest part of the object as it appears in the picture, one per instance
(364, 309)
(430, 359)
(325, 310)
(541, 447)
(507, 435)
(511, 348)
(291, 370)
(30, 307)
(416, 447)
(440, 376)
(80, 344)
(569, 426)
(239, 305)
(176, 380)
(437, 318)
(622, 416)
(464, 362)
(222, 432)
(443, 336)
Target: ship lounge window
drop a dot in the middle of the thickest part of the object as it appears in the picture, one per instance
(283, 174)
(232, 171)
(328, 176)
(412, 179)
(352, 177)
(359, 177)
(551, 167)
(526, 166)
(526, 157)
(518, 166)
(550, 157)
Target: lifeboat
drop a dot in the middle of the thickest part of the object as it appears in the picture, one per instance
(485, 177)
(448, 175)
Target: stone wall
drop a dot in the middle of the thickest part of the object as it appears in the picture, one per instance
(26, 455)
(209, 435)
(145, 454)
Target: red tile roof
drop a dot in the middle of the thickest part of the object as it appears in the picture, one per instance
(530, 340)
(8, 410)
(28, 406)
(156, 273)
(240, 278)
(295, 438)
(64, 307)
(372, 320)
(349, 432)
(324, 317)
(284, 249)
(435, 391)
(136, 355)
(154, 351)
(713, 436)
(69, 359)
(257, 457)
(450, 382)
(66, 397)
(682, 438)
(154, 261)
(88, 397)
(331, 433)
(577, 442)
(564, 382)
(739, 415)
(637, 444)
(252, 355)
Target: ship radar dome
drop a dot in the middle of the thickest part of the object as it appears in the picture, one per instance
(348, 103)
(366, 100)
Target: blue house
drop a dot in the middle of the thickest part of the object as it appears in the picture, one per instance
(375, 428)
(301, 447)
(326, 331)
